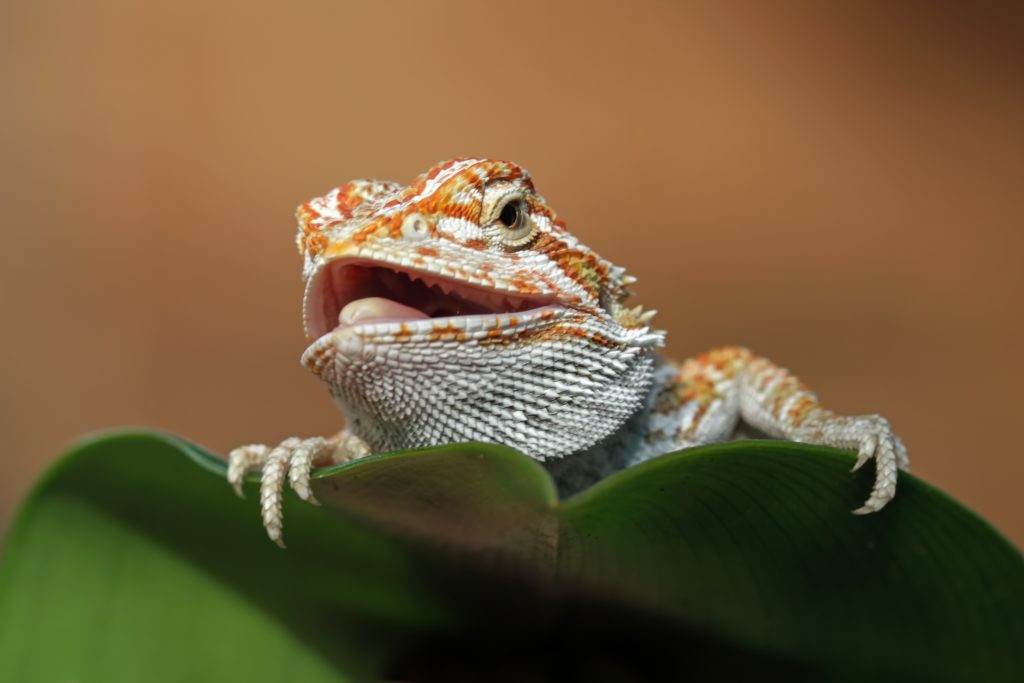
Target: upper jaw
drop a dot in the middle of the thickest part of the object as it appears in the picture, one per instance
(427, 297)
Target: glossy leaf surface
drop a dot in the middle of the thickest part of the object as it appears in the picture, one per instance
(133, 560)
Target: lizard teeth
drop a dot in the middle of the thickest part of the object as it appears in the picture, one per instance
(348, 294)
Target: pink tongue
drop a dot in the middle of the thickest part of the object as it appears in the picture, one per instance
(377, 308)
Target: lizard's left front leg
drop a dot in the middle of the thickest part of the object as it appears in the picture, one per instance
(717, 388)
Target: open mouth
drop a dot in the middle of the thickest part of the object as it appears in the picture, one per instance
(347, 293)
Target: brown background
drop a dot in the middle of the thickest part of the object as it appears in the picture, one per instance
(837, 188)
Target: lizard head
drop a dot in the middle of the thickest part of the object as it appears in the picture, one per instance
(464, 290)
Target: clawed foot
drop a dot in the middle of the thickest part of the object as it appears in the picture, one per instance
(871, 437)
(296, 458)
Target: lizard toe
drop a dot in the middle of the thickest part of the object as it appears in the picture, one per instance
(272, 487)
(243, 460)
(301, 466)
(872, 438)
(884, 448)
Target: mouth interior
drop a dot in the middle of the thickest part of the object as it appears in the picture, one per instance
(346, 293)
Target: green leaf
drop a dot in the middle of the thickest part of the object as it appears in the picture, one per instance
(755, 540)
(129, 562)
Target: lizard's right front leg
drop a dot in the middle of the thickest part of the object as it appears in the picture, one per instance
(295, 457)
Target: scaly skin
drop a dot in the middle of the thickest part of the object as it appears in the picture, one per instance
(469, 313)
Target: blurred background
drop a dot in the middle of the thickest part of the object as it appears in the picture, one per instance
(836, 186)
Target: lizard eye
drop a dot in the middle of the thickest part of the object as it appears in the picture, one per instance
(511, 216)
(517, 228)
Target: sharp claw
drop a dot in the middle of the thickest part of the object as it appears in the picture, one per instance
(237, 486)
(870, 506)
(867, 450)
(873, 504)
(305, 493)
(862, 458)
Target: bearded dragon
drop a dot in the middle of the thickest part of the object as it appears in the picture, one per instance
(459, 308)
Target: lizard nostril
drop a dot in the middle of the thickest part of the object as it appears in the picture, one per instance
(415, 227)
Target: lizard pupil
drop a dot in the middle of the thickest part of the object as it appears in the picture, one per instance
(509, 216)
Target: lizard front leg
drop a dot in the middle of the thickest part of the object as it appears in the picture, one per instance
(295, 458)
(715, 391)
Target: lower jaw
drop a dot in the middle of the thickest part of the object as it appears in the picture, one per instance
(486, 323)
(352, 341)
